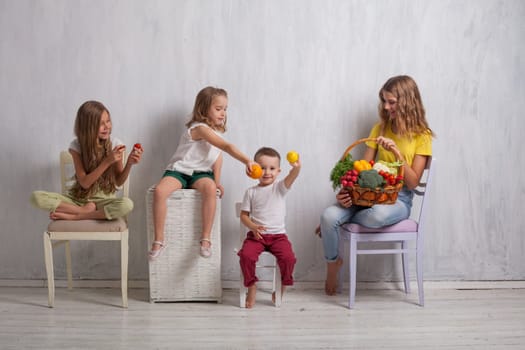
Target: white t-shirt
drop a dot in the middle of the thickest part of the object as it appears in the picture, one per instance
(267, 206)
(75, 145)
(194, 155)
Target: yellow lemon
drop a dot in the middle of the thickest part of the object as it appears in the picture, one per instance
(256, 171)
(292, 157)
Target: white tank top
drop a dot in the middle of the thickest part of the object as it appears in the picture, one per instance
(193, 155)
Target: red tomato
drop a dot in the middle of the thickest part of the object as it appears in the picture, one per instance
(372, 162)
(137, 145)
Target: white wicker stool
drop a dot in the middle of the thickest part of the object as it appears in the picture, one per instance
(180, 273)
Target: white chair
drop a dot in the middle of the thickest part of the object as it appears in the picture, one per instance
(402, 232)
(271, 263)
(63, 231)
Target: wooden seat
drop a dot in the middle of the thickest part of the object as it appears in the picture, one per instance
(61, 232)
(402, 233)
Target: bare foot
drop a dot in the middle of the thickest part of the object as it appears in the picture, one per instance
(72, 212)
(62, 216)
(88, 215)
(89, 207)
(332, 269)
(250, 298)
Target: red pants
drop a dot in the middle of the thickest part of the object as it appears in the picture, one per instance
(278, 245)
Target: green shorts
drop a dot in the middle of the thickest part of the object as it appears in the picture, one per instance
(188, 180)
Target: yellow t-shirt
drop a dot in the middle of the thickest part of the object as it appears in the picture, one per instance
(419, 144)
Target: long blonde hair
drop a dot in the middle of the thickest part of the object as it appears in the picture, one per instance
(202, 106)
(411, 113)
(92, 151)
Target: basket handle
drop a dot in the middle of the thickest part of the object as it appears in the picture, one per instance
(349, 148)
(366, 139)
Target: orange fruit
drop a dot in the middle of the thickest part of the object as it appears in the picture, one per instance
(292, 157)
(256, 171)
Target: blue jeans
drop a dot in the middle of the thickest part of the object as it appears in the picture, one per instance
(373, 217)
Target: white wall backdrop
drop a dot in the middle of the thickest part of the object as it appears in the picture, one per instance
(301, 74)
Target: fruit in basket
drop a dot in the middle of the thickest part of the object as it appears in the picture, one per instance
(256, 171)
(292, 157)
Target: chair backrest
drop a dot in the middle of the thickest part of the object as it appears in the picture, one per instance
(67, 174)
(423, 190)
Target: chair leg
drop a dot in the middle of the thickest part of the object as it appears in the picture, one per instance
(353, 270)
(124, 268)
(277, 285)
(242, 292)
(340, 273)
(419, 273)
(48, 256)
(406, 272)
(69, 271)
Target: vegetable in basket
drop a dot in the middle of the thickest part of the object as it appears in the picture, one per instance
(340, 169)
(387, 167)
(361, 165)
(370, 179)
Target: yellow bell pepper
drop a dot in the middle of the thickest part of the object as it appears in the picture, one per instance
(360, 165)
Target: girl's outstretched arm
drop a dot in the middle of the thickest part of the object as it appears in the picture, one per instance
(206, 133)
(86, 180)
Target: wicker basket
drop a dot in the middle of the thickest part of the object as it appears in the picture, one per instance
(367, 197)
(180, 274)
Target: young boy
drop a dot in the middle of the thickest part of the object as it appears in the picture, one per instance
(263, 212)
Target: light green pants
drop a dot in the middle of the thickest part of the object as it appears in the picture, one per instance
(113, 207)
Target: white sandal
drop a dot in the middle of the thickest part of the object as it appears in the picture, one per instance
(154, 254)
(205, 252)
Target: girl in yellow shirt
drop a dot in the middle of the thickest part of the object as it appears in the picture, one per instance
(401, 134)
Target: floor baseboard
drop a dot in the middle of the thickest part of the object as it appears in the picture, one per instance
(228, 284)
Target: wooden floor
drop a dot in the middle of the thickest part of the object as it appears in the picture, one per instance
(90, 318)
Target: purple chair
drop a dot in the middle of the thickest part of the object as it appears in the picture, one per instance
(403, 232)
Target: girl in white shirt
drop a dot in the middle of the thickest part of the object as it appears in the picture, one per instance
(197, 164)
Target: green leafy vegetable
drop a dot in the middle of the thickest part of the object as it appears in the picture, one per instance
(340, 168)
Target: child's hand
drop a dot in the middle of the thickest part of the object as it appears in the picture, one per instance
(136, 154)
(249, 167)
(389, 145)
(296, 164)
(116, 154)
(344, 198)
(258, 230)
(221, 190)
